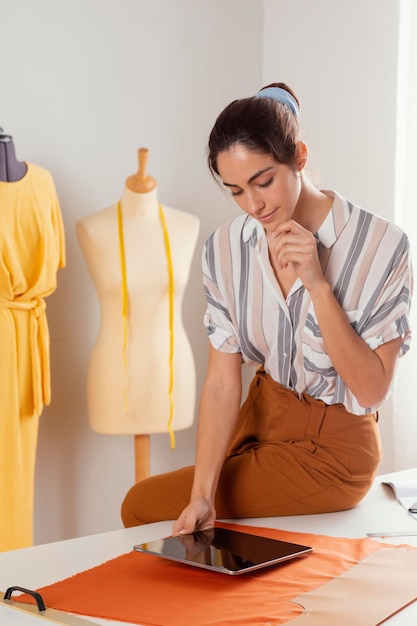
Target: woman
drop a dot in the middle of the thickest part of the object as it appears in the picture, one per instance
(314, 290)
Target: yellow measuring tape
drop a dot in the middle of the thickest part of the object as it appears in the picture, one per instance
(125, 302)
(171, 323)
(125, 313)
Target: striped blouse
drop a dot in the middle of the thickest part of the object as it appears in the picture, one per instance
(365, 259)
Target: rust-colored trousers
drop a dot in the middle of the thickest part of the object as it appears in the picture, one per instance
(289, 456)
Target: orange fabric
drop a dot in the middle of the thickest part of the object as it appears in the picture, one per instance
(143, 589)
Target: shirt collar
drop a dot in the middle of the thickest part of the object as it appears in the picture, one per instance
(335, 220)
(252, 231)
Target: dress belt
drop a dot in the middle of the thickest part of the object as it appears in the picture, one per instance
(38, 348)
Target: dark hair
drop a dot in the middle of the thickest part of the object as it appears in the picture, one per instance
(259, 124)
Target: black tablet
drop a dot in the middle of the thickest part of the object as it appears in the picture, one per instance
(224, 550)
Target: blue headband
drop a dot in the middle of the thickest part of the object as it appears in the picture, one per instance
(276, 93)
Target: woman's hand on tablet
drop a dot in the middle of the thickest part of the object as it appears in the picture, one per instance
(198, 515)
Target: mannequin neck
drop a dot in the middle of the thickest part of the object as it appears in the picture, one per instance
(143, 204)
(11, 169)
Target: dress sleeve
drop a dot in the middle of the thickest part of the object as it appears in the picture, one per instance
(58, 226)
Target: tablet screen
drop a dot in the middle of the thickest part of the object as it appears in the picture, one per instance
(224, 550)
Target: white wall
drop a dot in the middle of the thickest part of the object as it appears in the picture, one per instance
(341, 58)
(84, 83)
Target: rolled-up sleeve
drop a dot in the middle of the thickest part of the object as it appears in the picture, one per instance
(389, 316)
(217, 319)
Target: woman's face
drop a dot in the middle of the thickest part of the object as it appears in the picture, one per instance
(266, 190)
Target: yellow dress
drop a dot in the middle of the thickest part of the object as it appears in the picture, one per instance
(32, 248)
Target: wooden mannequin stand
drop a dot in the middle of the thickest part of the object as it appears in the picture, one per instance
(142, 457)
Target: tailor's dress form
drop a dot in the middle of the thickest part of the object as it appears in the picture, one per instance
(32, 249)
(146, 378)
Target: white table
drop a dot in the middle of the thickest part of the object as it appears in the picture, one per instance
(45, 564)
